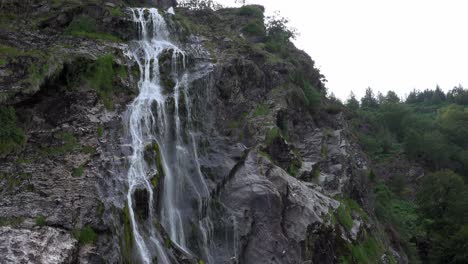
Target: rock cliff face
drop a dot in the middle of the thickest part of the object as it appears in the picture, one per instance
(281, 175)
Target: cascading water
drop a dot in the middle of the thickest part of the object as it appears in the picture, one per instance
(160, 117)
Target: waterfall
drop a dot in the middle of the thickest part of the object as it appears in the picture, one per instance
(159, 119)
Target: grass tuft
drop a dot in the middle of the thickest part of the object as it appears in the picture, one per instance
(85, 235)
(84, 26)
(11, 136)
(40, 221)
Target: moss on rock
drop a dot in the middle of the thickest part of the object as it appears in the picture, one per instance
(126, 244)
(11, 136)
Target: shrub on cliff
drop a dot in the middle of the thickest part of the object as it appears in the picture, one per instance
(251, 10)
(100, 76)
(11, 136)
(279, 34)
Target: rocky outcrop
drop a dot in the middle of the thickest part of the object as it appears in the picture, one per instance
(272, 211)
(40, 245)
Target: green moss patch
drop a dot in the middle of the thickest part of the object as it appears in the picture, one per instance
(84, 26)
(13, 221)
(101, 75)
(261, 110)
(86, 235)
(254, 28)
(272, 134)
(126, 246)
(152, 156)
(251, 10)
(68, 144)
(78, 172)
(367, 252)
(343, 215)
(100, 131)
(345, 211)
(40, 221)
(11, 136)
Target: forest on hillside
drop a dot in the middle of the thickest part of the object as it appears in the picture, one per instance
(427, 216)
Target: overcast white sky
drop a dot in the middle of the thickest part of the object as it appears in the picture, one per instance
(392, 44)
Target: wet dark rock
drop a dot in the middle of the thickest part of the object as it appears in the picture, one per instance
(165, 70)
(140, 203)
(273, 211)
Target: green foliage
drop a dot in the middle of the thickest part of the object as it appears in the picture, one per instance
(153, 157)
(13, 222)
(86, 235)
(433, 133)
(398, 212)
(443, 198)
(294, 167)
(199, 4)
(116, 12)
(100, 131)
(401, 215)
(88, 150)
(254, 28)
(78, 172)
(84, 26)
(430, 128)
(343, 214)
(442, 201)
(266, 155)
(272, 134)
(11, 136)
(127, 242)
(453, 122)
(393, 116)
(367, 252)
(167, 242)
(316, 171)
(279, 34)
(68, 144)
(40, 221)
(354, 207)
(234, 124)
(261, 110)
(10, 51)
(458, 95)
(352, 103)
(252, 11)
(313, 98)
(100, 76)
(397, 184)
(11, 181)
(369, 100)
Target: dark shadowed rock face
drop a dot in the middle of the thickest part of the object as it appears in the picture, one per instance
(276, 171)
(272, 211)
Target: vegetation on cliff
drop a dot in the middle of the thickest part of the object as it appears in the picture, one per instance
(11, 136)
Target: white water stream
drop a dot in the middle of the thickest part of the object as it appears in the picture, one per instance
(152, 118)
